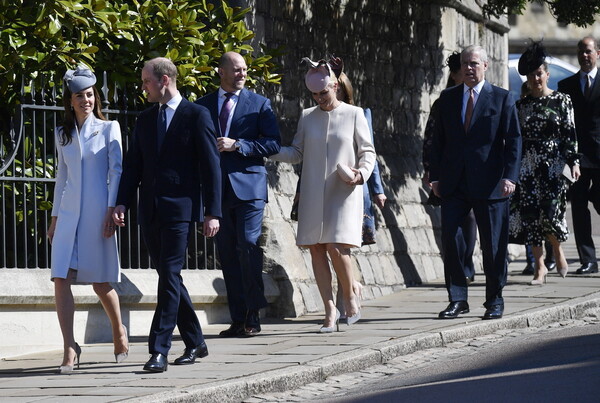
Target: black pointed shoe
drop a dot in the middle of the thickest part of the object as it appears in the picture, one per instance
(494, 312)
(550, 264)
(454, 309)
(528, 270)
(237, 329)
(157, 363)
(588, 268)
(190, 354)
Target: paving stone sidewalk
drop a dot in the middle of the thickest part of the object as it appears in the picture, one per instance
(289, 354)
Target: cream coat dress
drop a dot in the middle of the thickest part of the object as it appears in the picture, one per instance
(329, 210)
(89, 169)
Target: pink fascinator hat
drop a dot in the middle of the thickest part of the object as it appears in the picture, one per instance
(318, 76)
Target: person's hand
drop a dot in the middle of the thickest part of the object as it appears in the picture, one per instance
(379, 200)
(425, 178)
(508, 187)
(435, 186)
(358, 179)
(118, 215)
(576, 172)
(108, 226)
(211, 226)
(225, 144)
(51, 229)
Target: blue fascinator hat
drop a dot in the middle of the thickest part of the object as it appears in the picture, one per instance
(79, 79)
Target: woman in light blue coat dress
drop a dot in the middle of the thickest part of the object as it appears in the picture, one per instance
(82, 232)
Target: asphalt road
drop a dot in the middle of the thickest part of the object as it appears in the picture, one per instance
(562, 365)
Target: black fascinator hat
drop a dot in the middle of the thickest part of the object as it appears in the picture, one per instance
(533, 57)
(453, 62)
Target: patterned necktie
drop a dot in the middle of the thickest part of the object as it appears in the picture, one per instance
(161, 125)
(588, 86)
(225, 112)
(469, 110)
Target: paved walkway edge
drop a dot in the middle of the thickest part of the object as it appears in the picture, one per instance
(280, 380)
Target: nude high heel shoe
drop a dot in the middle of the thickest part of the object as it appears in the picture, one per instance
(354, 318)
(563, 271)
(120, 357)
(539, 280)
(324, 329)
(67, 369)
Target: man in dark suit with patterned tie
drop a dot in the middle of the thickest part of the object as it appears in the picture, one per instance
(173, 160)
(248, 133)
(584, 91)
(475, 160)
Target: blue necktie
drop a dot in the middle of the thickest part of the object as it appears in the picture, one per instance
(161, 125)
(225, 112)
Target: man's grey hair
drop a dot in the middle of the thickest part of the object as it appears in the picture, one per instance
(470, 50)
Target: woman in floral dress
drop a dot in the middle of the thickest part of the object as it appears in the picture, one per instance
(549, 142)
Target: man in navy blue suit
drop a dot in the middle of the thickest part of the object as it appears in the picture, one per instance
(475, 161)
(173, 160)
(248, 132)
(586, 105)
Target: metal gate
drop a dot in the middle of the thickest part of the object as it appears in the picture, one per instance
(27, 171)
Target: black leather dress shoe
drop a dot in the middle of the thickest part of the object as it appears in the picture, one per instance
(588, 268)
(494, 312)
(251, 331)
(190, 354)
(454, 309)
(236, 329)
(157, 363)
(529, 270)
(550, 265)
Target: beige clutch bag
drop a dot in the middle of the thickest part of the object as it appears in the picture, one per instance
(567, 173)
(345, 172)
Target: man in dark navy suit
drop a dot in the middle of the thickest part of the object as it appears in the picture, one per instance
(248, 133)
(584, 91)
(475, 160)
(174, 161)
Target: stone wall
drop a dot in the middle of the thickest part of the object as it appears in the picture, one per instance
(393, 52)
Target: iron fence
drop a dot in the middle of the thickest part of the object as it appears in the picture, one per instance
(27, 171)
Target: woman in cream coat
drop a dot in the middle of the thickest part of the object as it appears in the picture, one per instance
(82, 232)
(330, 213)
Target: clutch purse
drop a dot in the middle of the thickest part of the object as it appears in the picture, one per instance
(345, 172)
(567, 173)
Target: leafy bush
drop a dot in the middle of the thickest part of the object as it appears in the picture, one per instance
(118, 36)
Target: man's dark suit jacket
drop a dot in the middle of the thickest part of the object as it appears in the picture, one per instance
(587, 118)
(254, 125)
(183, 181)
(488, 153)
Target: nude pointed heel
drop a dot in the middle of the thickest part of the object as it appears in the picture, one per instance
(336, 324)
(120, 357)
(540, 280)
(563, 271)
(67, 369)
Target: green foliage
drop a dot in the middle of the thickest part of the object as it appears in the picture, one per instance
(578, 12)
(118, 36)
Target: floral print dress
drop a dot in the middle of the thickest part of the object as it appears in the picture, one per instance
(539, 205)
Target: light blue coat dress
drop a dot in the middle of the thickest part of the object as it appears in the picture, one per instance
(87, 181)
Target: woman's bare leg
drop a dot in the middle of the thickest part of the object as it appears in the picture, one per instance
(65, 310)
(342, 264)
(110, 301)
(323, 278)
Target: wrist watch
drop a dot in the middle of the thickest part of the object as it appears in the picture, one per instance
(237, 145)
